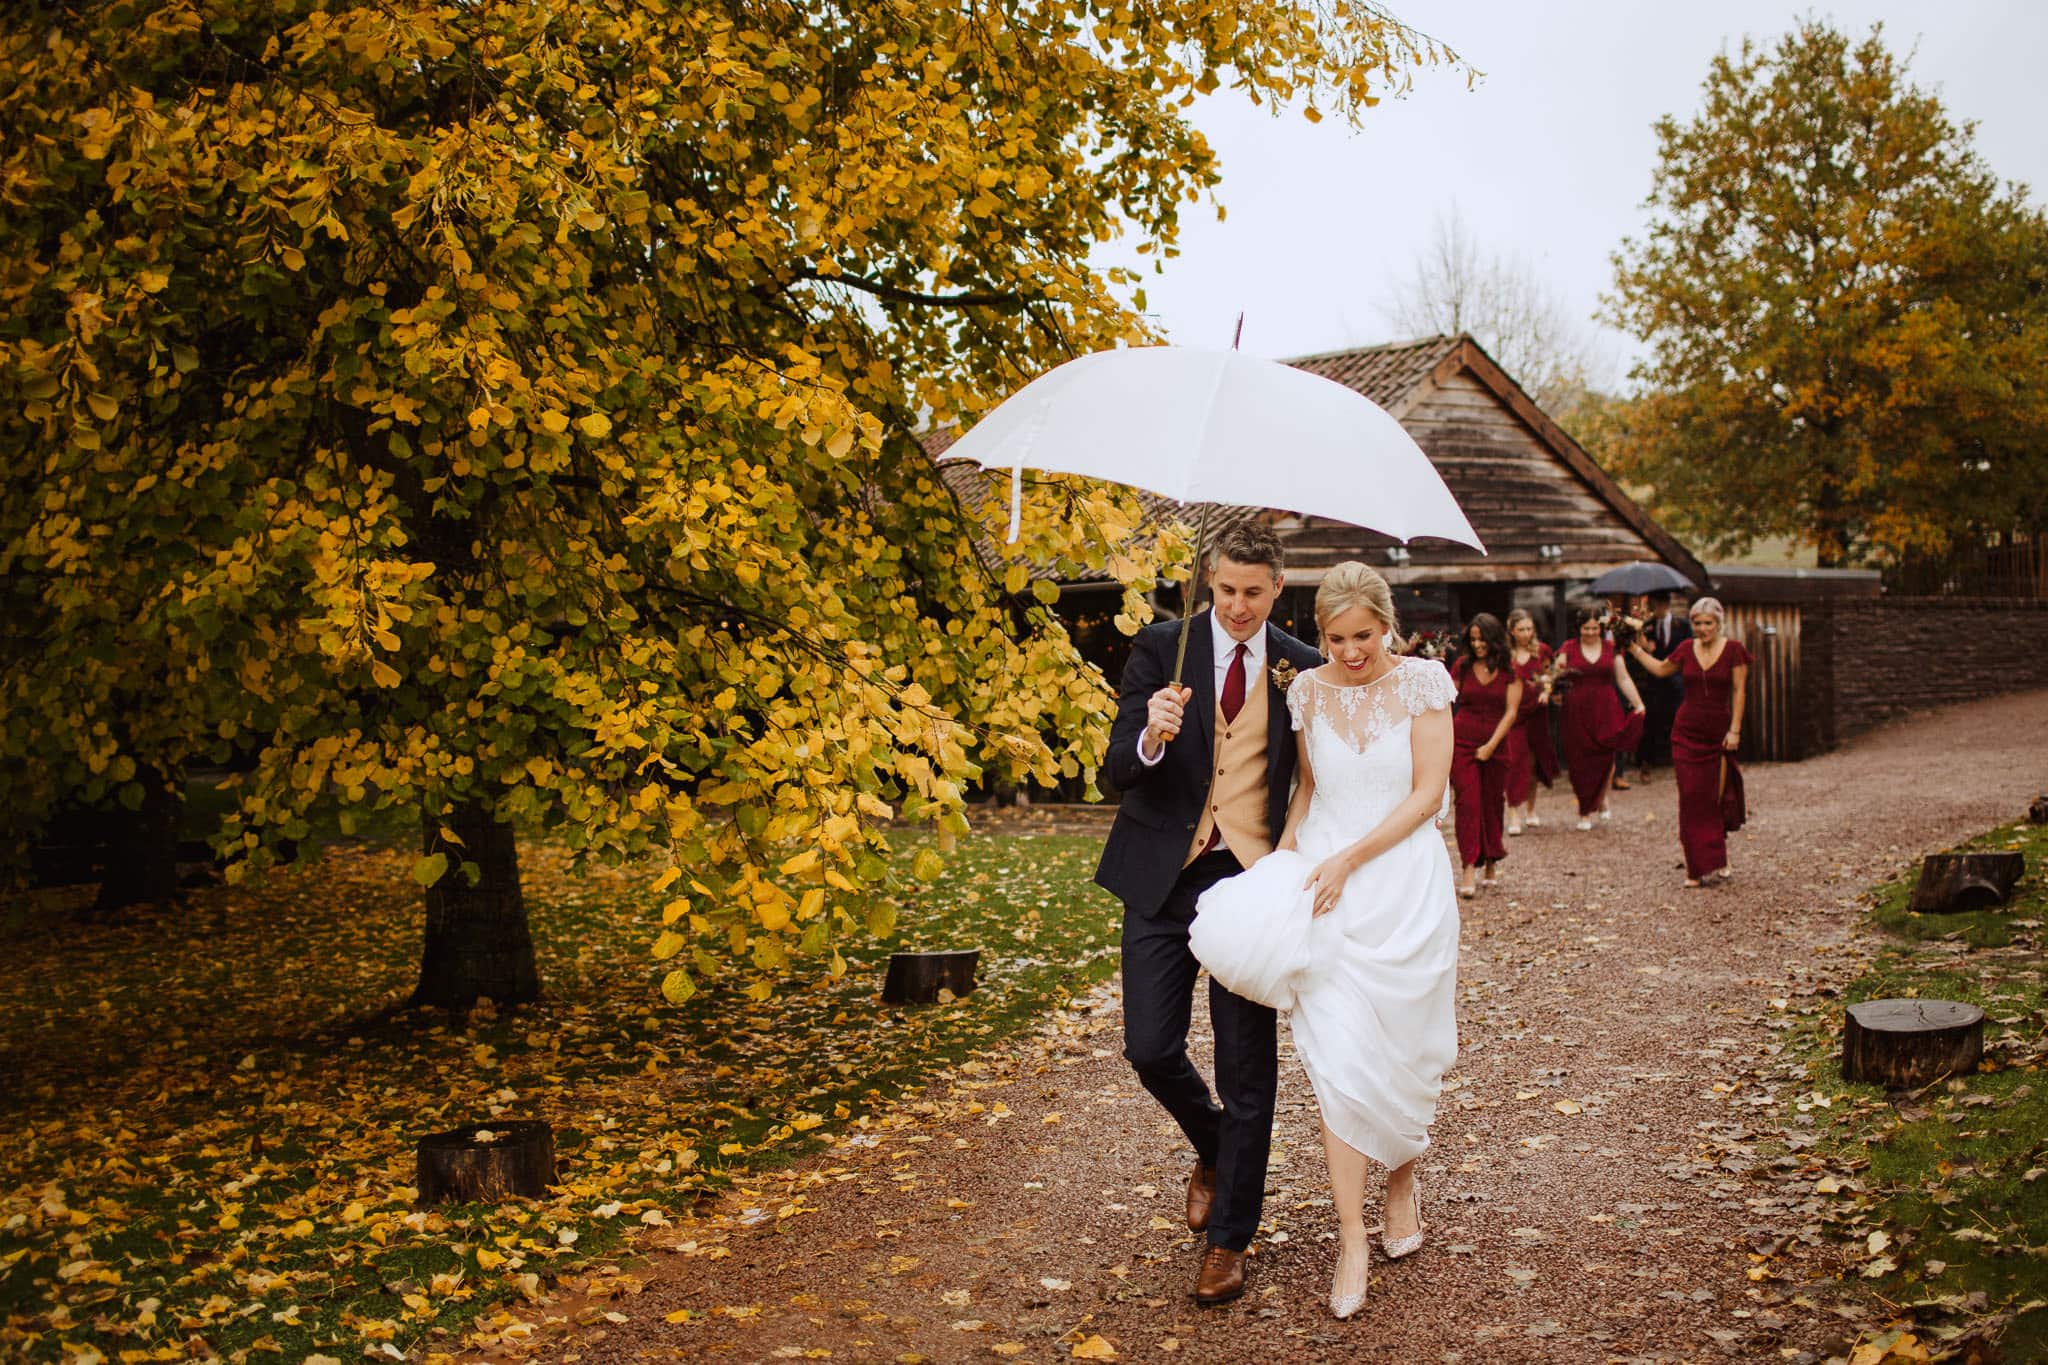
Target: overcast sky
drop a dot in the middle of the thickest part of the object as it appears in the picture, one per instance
(1548, 156)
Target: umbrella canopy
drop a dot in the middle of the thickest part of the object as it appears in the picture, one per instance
(1222, 427)
(1639, 577)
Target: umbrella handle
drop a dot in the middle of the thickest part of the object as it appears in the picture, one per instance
(1016, 501)
(1187, 594)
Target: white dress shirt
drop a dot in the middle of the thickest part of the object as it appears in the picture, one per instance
(1225, 648)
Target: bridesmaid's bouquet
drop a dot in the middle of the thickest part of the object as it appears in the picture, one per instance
(1431, 644)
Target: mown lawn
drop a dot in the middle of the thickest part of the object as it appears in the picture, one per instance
(1949, 1205)
(208, 1116)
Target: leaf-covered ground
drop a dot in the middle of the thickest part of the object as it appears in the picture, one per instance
(209, 1117)
(1939, 1198)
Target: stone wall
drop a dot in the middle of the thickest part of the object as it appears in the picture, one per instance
(1866, 661)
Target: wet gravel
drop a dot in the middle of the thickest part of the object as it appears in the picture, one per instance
(1032, 1202)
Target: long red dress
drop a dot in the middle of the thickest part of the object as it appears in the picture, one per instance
(1595, 723)
(1530, 756)
(1710, 797)
(1480, 785)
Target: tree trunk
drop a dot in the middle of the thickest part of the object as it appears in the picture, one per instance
(1951, 882)
(1905, 1044)
(486, 1163)
(918, 978)
(477, 946)
(141, 850)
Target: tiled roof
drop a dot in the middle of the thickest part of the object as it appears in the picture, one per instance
(1385, 374)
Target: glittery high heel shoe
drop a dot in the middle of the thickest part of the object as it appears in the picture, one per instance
(1343, 1302)
(1397, 1247)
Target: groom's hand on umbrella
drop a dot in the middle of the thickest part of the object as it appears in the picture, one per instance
(1163, 714)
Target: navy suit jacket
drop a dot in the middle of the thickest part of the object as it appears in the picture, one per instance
(1162, 804)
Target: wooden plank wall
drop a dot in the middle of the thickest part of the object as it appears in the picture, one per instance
(1770, 725)
(1518, 495)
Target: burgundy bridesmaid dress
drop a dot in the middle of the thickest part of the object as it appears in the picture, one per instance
(1593, 716)
(1530, 757)
(1710, 797)
(1480, 786)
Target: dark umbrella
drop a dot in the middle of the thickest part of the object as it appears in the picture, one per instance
(1637, 578)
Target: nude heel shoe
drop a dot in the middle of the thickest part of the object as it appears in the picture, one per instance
(1344, 1304)
(1397, 1247)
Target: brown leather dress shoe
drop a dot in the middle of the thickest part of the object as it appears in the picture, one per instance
(1201, 1194)
(1221, 1278)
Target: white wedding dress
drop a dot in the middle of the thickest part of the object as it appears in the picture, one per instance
(1370, 987)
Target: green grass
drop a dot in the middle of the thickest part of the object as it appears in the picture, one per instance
(1956, 1175)
(210, 1118)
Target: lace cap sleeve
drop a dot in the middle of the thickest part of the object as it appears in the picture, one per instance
(1424, 685)
(1300, 697)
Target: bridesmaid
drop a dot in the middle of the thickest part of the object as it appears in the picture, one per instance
(1489, 699)
(1531, 759)
(1704, 737)
(1593, 718)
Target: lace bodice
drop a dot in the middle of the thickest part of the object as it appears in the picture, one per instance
(1358, 744)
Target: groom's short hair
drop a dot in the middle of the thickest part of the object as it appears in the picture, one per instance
(1248, 542)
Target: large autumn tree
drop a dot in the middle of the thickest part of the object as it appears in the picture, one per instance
(502, 411)
(1844, 314)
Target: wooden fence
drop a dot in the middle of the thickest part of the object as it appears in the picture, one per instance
(1770, 632)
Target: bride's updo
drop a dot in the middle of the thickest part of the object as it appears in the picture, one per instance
(1352, 584)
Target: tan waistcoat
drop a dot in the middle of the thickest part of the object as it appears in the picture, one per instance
(1237, 787)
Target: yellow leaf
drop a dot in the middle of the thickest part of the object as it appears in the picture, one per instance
(666, 880)
(928, 865)
(103, 406)
(668, 945)
(554, 421)
(596, 424)
(677, 987)
(801, 863)
(489, 1259)
(675, 909)
(1094, 1348)
(680, 1315)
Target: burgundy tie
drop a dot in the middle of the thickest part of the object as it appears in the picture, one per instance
(1233, 685)
(1233, 702)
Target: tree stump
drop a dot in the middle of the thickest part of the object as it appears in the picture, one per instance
(1905, 1044)
(485, 1163)
(917, 978)
(1952, 882)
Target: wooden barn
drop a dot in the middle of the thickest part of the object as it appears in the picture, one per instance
(1551, 518)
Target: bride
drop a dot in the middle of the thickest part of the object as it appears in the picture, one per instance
(1351, 924)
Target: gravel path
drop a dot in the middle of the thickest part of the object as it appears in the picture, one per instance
(1032, 1202)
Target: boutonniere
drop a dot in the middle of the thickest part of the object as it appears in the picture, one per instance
(1282, 674)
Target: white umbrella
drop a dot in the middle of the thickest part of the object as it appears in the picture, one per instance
(1219, 427)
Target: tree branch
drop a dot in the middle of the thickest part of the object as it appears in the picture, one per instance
(984, 298)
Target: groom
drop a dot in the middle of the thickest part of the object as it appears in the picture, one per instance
(1205, 772)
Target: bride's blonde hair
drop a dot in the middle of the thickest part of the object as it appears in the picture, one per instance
(1352, 584)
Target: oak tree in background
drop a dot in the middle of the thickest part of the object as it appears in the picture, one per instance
(1845, 315)
(502, 411)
